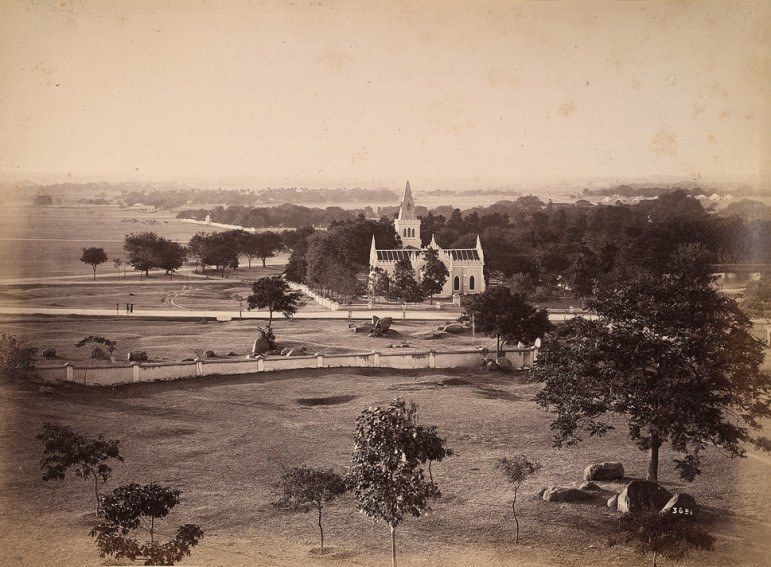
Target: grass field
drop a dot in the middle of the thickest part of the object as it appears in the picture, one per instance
(225, 441)
(175, 340)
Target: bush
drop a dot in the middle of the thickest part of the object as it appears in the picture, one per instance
(15, 359)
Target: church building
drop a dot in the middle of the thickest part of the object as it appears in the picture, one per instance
(464, 265)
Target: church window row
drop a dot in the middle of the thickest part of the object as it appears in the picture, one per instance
(409, 232)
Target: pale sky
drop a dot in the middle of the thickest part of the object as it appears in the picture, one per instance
(374, 93)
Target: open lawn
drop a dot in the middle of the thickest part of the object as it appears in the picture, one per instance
(47, 241)
(174, 340)
(225, 441)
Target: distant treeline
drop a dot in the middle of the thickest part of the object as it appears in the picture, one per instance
(170, 199)
(286, 215)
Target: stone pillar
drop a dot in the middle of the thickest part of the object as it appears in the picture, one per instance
(199, 366)
(432, 359)
(376, 359)
(319, 360)
(135, 372)
(260, 363)
(70, 372)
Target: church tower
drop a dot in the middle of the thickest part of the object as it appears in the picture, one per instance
(407, 224)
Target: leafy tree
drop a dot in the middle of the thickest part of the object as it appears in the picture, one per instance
(133, 507)
(170, 256)
(273, 294)
(65, 449)
(15, 358)
(505, 315)
(670, 353)
(307, 488)
(218, 249)
(385, 472)
(404, 288)
(660, 534)
(428, 447)
(93, 256)
(266, 245)
(517, 470)
(380, 282)
(521, 283)
(433, 274)
(43, 200)
(141, 251)
(757, 298)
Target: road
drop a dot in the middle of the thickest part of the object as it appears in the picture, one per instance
(426, 315)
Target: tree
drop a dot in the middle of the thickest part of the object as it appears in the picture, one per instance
(170, 256)
(266, 245)
(93, 256)
(505, 315)
(385, 472)
(670, 353)
(118, 263)
(757, 297)
(141, 251)
(516, 471)
(660, 534)
(15, 358)
(273, 294)
(43, 200)
(433, 274)
(219, 249)
(64, 448)
(380, 282)
(428, 447)
(404, 287)
(306, 487)
(133, 507)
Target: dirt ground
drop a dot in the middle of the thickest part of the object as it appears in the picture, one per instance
(225, 441)
(174, 340)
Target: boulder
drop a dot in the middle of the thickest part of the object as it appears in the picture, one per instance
(613, 501)
(454, 328)
(210, 354)
(49, 352)
(504, 364)
(99, 354)
(604, 471)
(296, 352)
(539, 495)
(231, 353)
(285, 351)
(565, 494)
(137, 356)
(46, 390)
(188, 359)
(429, 335)
(591, 487)
(261, 346)
(682, 506)
(381, 324)
(642, 496)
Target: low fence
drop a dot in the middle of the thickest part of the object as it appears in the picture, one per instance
(105, 375)
(317, 297)
(220, 225)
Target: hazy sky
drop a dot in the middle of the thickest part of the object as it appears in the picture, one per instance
(373, 93)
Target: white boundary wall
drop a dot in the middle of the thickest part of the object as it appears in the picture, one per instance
(104, 375)
(317, 297)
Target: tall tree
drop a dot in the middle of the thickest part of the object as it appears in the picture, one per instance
(274, 294)
(404, 287)
(670, 353)
(385, 471)
(141, 251)
(506, 316)
(170, 256)
(379, 282)
(433, 274)
(93, 256)
(266, 245)
(306, 487)
(133, 507)
(64, 449)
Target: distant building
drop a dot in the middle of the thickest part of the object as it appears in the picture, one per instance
(465, 265)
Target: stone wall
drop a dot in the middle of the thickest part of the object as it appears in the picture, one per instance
(104, 375)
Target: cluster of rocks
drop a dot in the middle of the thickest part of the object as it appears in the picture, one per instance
(48, 352)
(137, 356)
(636, 497)
(378, 328)
(398, 345)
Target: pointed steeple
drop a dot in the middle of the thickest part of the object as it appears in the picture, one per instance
(407, 207)
(373, 253)
(433, 243)
(479, 249)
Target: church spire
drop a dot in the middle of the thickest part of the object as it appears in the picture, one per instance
(407, 207)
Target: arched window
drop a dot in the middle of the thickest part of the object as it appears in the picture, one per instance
(471, 282)
(456, 284)
(405, 232)
(412, 232)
